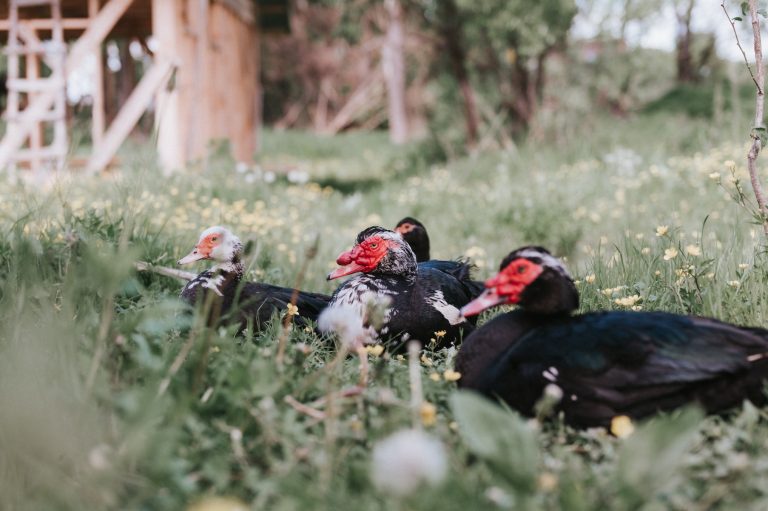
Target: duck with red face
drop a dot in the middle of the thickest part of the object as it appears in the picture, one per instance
(422, 303)
(606, 364)
(234, 300)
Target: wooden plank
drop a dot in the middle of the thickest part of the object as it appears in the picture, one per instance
(34, 83)
(42, 153)
(46, 24)
(98, 115)
(37, 134)
(97, 30)
(129, 114)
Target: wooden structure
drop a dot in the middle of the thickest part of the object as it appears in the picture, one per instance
(203, 83)
(23, 43)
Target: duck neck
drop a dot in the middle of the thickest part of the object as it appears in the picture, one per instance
(552, 294)
(233, 268)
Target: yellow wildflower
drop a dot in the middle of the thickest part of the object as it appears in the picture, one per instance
(428, 413)
(451, 375)
(434, 376)
(715, 176)
(589, 279)
(440, 334)
(662, 230)
(693, 250)
(375, 350)
(547, 481)
(627, 301)
(426, 361)
(218, 504)
(734, 283)
(743, 266)
(670, 253)
(292, 310)
(622, 426)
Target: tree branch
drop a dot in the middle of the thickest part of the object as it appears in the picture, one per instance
(758, 128)
(738, 43)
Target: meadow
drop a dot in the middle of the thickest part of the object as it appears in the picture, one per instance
(113, 397)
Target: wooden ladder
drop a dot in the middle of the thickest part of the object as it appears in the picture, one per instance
(24, 43)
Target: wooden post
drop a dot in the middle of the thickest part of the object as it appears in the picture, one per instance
(167, 26)
(32, 61)
(393, 64)
(98, 117)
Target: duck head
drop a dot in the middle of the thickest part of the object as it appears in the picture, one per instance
(415, 234)
(378, 251)
(216, 243)
(532, 278)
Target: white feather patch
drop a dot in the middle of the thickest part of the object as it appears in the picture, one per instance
(449, 312)
(214, 284)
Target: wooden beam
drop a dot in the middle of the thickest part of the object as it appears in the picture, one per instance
(129, 114)
(97, 30)
(36, 137)
(98, 117)
(46, 24)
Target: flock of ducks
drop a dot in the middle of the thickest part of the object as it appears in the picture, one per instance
(601, 365)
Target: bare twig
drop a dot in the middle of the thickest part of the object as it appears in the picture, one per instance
(738, 43)
(305, 409)
(414, 374)
(759, 78)
(162, 270)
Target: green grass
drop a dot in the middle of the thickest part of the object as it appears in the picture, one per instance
(113, 398)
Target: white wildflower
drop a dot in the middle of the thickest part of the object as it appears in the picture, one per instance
(406, 460)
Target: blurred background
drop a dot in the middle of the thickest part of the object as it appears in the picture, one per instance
(456, 76)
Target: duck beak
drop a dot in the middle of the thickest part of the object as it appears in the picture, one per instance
(489, 298)
(348, 264)
(193, 256)
(348, 269)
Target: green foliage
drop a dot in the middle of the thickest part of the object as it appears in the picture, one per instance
(697, 100)
(115, 396)
(649, 460)
(498, 436)
(528, 28)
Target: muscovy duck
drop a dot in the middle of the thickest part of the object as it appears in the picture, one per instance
(233, 300)
(607, 364)
(422, 300)
(415, 234)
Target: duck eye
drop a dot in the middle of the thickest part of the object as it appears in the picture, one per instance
(374, 246)
(215, 238)
(521, 269)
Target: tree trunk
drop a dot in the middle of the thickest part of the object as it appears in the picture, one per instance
(393, 65)
(450, 29)
(685, 71)
(523, 104)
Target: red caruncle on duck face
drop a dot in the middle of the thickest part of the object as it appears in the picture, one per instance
(203, 249)
(364, 257)
(505, 287)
